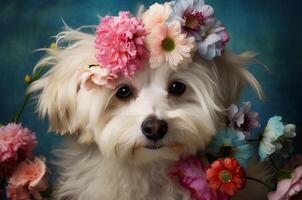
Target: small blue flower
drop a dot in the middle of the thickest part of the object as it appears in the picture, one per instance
(273, 130)
(227, 144)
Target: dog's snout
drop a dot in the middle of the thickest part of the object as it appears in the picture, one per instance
(154, 128)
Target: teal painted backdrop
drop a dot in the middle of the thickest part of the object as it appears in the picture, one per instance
(270, 27)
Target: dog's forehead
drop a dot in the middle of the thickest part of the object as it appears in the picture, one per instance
(152, 78)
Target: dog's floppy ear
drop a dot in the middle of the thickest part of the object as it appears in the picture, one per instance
(57, 89)
(234, 76)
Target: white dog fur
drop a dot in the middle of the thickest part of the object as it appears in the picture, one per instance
(105, 158)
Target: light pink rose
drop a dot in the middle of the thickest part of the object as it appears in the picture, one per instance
(96, 76)
(288, 189)
(30, 177)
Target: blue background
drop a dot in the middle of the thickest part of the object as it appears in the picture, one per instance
(270, 27)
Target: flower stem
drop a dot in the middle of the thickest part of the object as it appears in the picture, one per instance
(37, 75)
(18, 115)
(256, 140)
(261, 182)
(273, 163)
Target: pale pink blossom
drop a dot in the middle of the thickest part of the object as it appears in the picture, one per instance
(96, 76)
(29, 177)
(16, 144)
(120, 44)
(169, 46)
(156, 15)
(288, 189)
(191, 175)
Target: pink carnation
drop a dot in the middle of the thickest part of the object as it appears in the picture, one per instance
(16, 144)
(191, 174)
(28, 179)
(120, 43)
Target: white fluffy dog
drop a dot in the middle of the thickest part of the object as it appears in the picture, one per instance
(127, 137)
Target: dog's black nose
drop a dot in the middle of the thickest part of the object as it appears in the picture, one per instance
(154, 129)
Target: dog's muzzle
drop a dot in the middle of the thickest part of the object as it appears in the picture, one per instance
(154, 129)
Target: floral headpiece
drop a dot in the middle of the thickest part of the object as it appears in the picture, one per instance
(166, 33)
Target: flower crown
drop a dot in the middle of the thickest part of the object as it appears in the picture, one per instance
(165, 34)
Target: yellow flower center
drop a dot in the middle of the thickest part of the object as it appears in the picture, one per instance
(225, 176)
(168, 44)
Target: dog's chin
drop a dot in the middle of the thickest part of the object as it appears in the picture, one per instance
(154, 145)
(157, 152)
(147, 154)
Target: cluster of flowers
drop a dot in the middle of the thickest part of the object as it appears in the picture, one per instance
(223, 175)
(165, 35)
(22, 176)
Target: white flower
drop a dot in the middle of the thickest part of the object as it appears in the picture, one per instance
(272, 132)
(284, 144)
(275, 137)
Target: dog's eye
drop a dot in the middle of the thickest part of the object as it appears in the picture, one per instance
(177, 88)
(124, 92)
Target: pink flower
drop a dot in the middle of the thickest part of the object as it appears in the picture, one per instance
(29, 178)
(120, 44)
(191, 175)
(16, 144)
(96, 76)
(288, 189)
(156, 15)
(169, 46)
(224, 37)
